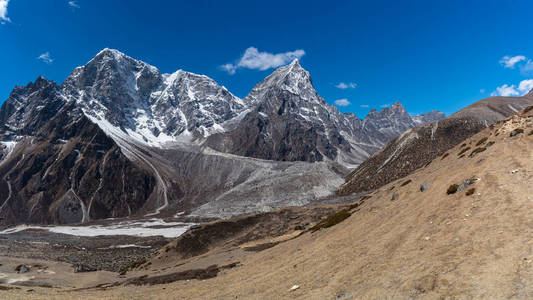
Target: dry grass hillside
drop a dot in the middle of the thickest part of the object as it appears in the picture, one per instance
(468, 234)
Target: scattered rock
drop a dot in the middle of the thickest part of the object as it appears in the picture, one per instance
(299, 227)
(344, 295)
(406, 182)
(426, 284)
(22, 269)
(424, 186)
(477, 150)
(395, 196)
(483, 140)
(514, 171)
(489, 144)
(294, 288)
(80, 268)
(470, 192)
(516, 132)
(452, 189)
(466, 184)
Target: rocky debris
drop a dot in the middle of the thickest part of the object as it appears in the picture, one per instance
(22, 269)
(516, 132)
(424, 186)
(82, 268)
(467, 183)
(452, 189)
(395, 196)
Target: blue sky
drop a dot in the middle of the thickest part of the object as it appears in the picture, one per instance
(428, 55)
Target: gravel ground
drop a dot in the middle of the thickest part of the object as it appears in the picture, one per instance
(99, 252)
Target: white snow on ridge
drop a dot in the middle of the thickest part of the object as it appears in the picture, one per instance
(9, 146)
(151, 227)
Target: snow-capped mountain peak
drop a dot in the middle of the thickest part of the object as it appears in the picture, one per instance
(137, 100)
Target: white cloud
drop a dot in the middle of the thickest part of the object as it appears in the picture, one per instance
(514, 91)
(384, 105)
(510, 61)
(525, 86)
(342, 102)
(3, 11)
(230, 68)
(73, 4)
(343, 86)
(255, 60)
(364, 105)
(45, 57)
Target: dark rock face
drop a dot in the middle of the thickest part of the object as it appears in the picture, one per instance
(61, 167)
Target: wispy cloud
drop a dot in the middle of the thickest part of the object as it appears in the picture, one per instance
(384, 105)
(514, 91)
(45, 57)
(482, 91)
(3, 12)
(255, 60)
(343, 86)
(525, 64)
(528, 67)
(364, 105)
(73, 4)
(510, 61)
(342, 102)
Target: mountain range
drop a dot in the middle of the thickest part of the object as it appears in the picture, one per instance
(118, 138)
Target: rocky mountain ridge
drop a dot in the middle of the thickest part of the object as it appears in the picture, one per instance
(118, 138)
